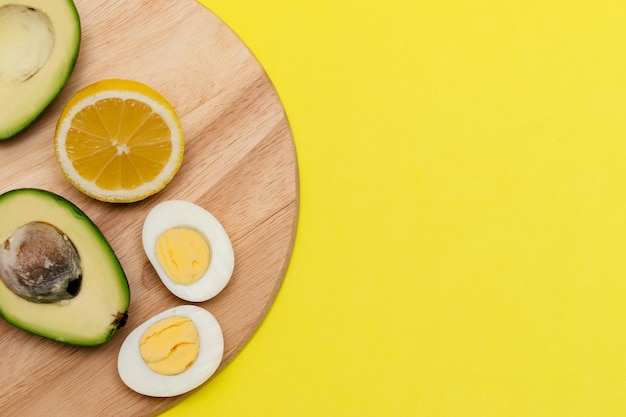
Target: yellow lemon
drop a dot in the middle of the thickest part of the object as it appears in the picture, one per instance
(119, 141)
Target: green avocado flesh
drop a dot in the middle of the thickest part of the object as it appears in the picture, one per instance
(85, 314)
(39, 44)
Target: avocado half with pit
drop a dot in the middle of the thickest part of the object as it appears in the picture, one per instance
(39, 44)
(59, 277)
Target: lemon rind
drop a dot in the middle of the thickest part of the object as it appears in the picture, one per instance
(159, 106)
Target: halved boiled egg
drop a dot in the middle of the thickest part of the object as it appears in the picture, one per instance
(171, 353)
(189, 249)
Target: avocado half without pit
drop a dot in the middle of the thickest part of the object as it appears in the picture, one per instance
(59, 277)
(39, 44)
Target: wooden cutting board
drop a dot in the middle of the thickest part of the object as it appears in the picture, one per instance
(240, 164)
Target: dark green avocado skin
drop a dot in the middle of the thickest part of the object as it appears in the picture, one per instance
(118, 319)
(54, 90)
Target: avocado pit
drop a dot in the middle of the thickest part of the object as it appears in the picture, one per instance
(26, 42)
(40, 263)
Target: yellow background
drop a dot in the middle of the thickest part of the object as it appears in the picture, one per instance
(462, 230)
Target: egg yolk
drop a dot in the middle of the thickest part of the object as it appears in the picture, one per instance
(170, 346)
(184, 254)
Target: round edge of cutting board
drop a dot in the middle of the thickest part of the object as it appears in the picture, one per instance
(46, 176)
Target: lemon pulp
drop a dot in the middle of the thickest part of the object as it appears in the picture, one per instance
(119, 141)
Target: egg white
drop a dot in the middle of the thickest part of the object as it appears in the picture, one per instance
(176, 213)
(139, 377)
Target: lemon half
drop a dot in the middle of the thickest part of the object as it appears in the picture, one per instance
(119, 141)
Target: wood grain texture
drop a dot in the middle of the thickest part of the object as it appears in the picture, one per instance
(240, 164)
